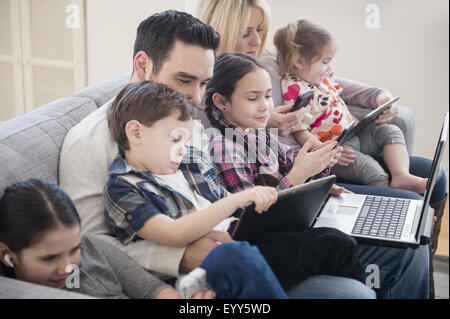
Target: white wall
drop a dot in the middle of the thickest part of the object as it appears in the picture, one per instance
(111, 31)
(408, 54)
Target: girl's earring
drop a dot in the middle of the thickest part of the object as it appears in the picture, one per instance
(224, 109)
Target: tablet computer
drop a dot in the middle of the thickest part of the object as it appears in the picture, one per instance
(295, 210)
(369, 118)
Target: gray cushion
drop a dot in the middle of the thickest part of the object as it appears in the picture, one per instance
(102, 92)
(16, 289)
(30, 144)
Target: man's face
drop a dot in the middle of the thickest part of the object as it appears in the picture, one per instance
(187, 70)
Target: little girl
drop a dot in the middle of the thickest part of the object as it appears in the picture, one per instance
(305, 51)
(40, 243)
(238, 100)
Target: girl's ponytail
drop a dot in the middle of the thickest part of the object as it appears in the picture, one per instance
(286, 48)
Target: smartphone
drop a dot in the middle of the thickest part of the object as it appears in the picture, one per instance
(345, 131)
(302, 101)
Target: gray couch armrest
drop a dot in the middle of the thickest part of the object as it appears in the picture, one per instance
(17, 289)
(404, 120)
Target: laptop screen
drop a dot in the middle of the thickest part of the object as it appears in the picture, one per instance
(434, 168)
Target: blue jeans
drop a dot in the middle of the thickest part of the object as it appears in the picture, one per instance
(237, 270)
(403, 271)
(330, 287)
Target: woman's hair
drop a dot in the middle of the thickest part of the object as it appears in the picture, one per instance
(31, 208)
(229, 68)
(230, 18)
(302, 37)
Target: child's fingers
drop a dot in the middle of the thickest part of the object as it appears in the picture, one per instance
(306, 147)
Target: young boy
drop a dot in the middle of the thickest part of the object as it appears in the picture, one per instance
(151, 193)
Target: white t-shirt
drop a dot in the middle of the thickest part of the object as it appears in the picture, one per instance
(178, 181)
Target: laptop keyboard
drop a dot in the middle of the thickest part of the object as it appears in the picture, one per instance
(382, 217)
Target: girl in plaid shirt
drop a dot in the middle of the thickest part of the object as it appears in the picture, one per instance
(238, 101)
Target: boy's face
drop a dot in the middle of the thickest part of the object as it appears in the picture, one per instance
(161, 147)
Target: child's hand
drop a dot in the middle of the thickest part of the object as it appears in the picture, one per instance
(312, 163)
(388, 114)
(262, 196)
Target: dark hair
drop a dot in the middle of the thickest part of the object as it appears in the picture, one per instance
(229, 68)
(29, 209)
(156, 35)
(146, 102)
(303, 37)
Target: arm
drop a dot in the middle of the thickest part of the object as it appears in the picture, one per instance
(355, 93)
(184, 230)
(136, 282)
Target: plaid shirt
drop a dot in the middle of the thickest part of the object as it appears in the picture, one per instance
(238, 168)
(133, 196)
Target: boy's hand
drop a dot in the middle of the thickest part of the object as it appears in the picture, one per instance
(262, 196)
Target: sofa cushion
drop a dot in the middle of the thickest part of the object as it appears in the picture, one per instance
(17, 289)
(102, 92)
(30, 144)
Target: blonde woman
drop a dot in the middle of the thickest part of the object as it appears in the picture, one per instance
(243, 24)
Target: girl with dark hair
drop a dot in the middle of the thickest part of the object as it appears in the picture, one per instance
(40, 242)
(238, 102)
(238, 98)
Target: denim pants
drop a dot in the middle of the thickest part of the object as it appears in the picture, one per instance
(252, 277)
(237, 270)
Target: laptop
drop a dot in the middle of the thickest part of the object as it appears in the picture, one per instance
(368, 119)
(384, 221)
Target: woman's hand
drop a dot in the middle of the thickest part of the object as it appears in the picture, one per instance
(346, 157)
(262, 196)
(281, 118)
(388, 114)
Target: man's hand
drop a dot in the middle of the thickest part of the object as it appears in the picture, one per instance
(284, 122)
(388, 114)
(197, 251)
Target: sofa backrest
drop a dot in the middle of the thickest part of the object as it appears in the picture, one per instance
(30, 144)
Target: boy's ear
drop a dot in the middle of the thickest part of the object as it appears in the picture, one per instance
(221, 102)
(133, 131)
(143, 66)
